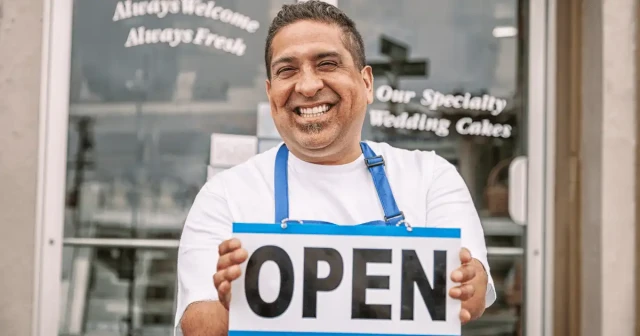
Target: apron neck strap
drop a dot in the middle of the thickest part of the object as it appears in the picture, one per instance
(375, 164)
(281, 184)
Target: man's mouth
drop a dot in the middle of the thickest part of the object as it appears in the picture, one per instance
(314, 111)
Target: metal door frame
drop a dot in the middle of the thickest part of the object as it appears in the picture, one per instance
(54, 114)
(541, 160)
(52, 150)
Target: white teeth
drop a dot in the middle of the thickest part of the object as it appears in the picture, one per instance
(314, 111)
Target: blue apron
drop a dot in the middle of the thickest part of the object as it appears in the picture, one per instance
(375, 164)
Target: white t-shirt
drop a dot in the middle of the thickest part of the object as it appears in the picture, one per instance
(427, 188)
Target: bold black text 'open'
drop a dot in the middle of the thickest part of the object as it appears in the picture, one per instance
(413, 275)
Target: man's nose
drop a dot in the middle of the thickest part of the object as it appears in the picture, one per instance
(309, 84)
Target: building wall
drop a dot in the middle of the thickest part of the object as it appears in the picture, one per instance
(20, 55)
(608, 163)
(637, 265)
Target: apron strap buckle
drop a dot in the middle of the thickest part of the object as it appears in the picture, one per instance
(399, 219)
(392, 218)
(374, 161)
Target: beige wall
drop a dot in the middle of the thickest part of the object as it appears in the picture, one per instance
(609, 140)
(637, 271)
(20, 57)
(638, 172)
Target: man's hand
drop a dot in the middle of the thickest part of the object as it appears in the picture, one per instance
(231, 256)
(472, 290)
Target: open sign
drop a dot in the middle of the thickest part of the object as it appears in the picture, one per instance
(330, 279)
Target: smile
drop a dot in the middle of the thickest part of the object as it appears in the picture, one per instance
(315, 111)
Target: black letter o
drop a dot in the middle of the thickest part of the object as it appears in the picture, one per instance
(252, 276)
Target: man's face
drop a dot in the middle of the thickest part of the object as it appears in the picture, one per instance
(318, 96)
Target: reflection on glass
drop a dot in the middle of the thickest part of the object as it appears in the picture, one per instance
(116, 291)
(149, 90)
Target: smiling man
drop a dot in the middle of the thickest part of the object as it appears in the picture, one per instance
(319, 87)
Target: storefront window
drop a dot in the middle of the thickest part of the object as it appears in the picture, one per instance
(165, 94)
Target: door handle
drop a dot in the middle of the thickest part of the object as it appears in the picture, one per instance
(518, 190)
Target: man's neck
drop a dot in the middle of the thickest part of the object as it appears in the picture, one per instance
(327, 156)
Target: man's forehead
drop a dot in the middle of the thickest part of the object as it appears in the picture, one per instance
(313, 54)
(310, 29)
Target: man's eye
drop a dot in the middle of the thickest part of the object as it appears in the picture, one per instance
(284, 71)
(328, 65)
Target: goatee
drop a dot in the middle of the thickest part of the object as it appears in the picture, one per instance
(311, 128)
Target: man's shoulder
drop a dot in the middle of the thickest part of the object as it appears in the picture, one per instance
(426, 164)
(404, 155)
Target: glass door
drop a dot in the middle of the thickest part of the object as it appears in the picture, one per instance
(451, 77)
(162, 99)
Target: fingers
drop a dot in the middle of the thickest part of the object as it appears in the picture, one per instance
(229, 245)
(463, 274)
(465, 256)
(231, 256)
(224, 288)
(231, 253)
(229, 259)
(222, 281)
(465, 316)
(462, 293)
(226, 275)
(224, 294)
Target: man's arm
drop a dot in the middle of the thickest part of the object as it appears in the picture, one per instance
(208, 224)
(449, 204)
(205, 318)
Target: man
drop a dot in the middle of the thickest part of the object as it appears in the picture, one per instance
(319, 87)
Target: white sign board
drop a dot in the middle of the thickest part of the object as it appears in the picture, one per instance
(341, 280)
(228, 150)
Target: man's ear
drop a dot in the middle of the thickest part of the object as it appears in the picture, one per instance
(268, 88)
(367, 77)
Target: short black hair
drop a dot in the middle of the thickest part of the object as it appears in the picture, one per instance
(319, 11)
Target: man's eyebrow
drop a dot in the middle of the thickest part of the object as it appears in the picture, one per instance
(285, 59)
(327, 54)
(318, 56)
